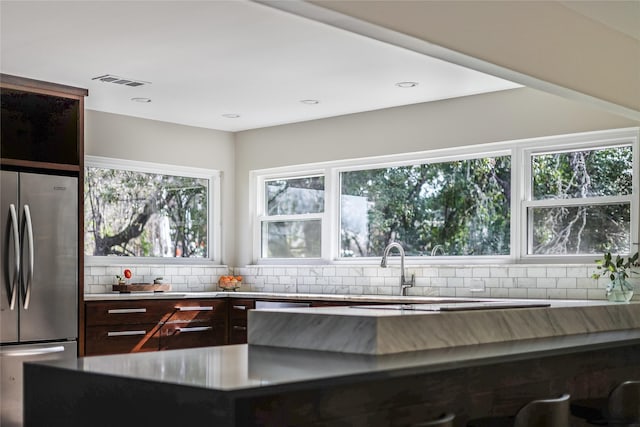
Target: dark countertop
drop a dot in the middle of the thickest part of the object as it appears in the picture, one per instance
(247, 369)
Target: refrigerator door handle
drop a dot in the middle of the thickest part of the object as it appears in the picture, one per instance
(16, 254)
(26, 288)
(31, 351)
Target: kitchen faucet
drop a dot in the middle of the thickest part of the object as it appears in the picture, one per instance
(436, 249)
(404, 284)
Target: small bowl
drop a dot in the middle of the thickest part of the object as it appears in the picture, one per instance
(229, 285)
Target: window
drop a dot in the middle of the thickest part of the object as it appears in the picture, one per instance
(453, 208)
(557, 199)
(146, 211)
(291, 226)
(580, 201)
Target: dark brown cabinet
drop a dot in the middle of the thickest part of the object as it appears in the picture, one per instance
(150, 325)
(238, 309)
(41, 124)
(195, 323)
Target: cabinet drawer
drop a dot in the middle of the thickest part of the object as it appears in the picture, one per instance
(193, 334)
(127, 312)
(198, 310)
(115, 339)
(238, 308)
(238, 331)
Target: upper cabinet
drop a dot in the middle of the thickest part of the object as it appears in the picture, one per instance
(42, 124)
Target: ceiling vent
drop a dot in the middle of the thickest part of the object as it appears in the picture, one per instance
(110, 78)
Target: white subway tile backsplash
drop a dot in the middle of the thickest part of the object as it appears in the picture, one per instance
(517, 293)
(545, 283)
(356, 290)
(499, 272)
(577, 293)
(595, 294)
(455, 282)
(462, 272)
(536, 272)
(567, 283)
(536, 293)
(427, 272)
(447, 292)
(517, 272)
(498, 281)
(557, 293)
(499, 293)
(481, 272)
(525, 282)
(556, 272)
(507, 282)
(447, 272)
(97, 271)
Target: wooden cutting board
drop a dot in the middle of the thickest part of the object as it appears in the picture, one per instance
(142, 287)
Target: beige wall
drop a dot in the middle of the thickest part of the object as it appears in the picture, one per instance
(131, 138)
(499, 116)
(541, 39)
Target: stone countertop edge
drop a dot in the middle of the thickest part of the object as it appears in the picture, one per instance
(114, 296)
(383, 331)
(265, 368)
(391, 299)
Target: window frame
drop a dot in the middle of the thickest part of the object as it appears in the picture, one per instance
(520, 152)
(563, 144)
(214, 210)
(261, 216)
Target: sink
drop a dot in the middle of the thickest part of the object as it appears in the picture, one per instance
(461, 306)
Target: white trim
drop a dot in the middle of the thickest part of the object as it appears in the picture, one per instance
(551, 203)
(567, 143)
(520, 151)
(214, 226)
(149, 167)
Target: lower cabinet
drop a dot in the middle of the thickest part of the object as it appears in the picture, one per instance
(133, 326)
(150, 325)
(198, 323)
(238, 309)
(116, 339)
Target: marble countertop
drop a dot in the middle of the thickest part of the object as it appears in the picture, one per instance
(115, 296)
(382, 330)
(245, 368)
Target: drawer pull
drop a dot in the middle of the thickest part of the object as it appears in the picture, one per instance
(205, 308)
(239, 328)
(239, 307)
(195, 329)
(127, 310)
(125, 333)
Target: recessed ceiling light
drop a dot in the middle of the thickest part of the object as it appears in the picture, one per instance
(231, 116)
(310, 101)
(143, 100)
(407, 84)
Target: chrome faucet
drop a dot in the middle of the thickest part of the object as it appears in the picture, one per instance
(404, 284)
(437, 248)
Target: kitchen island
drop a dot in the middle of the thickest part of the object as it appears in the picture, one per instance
(244, 385)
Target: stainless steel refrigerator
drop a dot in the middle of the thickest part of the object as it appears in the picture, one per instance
(39, 292)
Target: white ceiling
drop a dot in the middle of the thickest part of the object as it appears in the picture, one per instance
(205, 59)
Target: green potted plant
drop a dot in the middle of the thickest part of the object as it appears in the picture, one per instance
(617, 271)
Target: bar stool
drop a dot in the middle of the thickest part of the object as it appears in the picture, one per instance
(620, 408)
(537, 413)
(445, 420)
